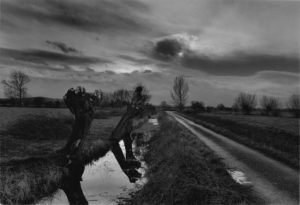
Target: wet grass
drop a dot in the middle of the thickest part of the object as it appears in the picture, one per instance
(277, 138)
(182, 170)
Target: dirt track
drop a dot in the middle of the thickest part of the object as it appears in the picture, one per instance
(273, 181)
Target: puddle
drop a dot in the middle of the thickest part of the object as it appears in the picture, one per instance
(239, 177)
(153, 121)
(103, 182)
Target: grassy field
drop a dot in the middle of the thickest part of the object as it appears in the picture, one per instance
(277, 137)
(182, 170)
(27, 132)
(30, 136)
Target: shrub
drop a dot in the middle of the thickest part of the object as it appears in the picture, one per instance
(197, 106)
(221, 107)
(270, 105)
(246, 102)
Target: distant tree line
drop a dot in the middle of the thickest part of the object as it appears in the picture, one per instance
(246, 103)
(270, 105)
(15, 91)
(33, 102)
(118, 98)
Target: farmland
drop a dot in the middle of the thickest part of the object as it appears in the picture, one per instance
(277, 137)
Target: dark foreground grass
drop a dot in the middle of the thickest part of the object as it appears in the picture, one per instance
(30, 180)
(26, 181)
(182, 170)
(272, 141)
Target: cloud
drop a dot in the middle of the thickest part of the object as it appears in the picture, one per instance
(44, 57)
(167, 48)
(147, 71)
(92, 15)
(62, 47)
(241, 64)
(282, 78)
(186, 51)
(139, 61)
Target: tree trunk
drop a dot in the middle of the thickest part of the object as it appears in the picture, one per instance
(20, 97)
(81, 105)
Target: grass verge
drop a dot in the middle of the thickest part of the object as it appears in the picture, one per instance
(182, 170)
(274, 142)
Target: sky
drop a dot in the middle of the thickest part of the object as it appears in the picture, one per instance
(221, 47)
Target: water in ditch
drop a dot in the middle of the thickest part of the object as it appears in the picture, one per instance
(104, 182)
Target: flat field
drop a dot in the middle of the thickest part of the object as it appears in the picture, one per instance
(286, 124)
(28, 132)
(275, 136)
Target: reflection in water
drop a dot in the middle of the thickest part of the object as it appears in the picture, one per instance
(71, 184)
(102, 183)
(239, 177)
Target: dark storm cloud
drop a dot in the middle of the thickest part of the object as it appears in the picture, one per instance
(62, 47)
(84, 15)
(47, 57)
(241, 64)
(167, 48)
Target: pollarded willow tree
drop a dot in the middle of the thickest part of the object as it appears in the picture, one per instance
(15, 87)
(270, 104)
(246, 102)
(179, 94)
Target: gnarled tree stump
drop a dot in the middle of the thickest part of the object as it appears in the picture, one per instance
(135, 113)
(81, 104)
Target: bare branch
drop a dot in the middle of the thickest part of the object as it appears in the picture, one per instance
(15, 86)
(179, 94)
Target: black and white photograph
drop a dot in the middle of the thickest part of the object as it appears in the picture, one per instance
(149, 102)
